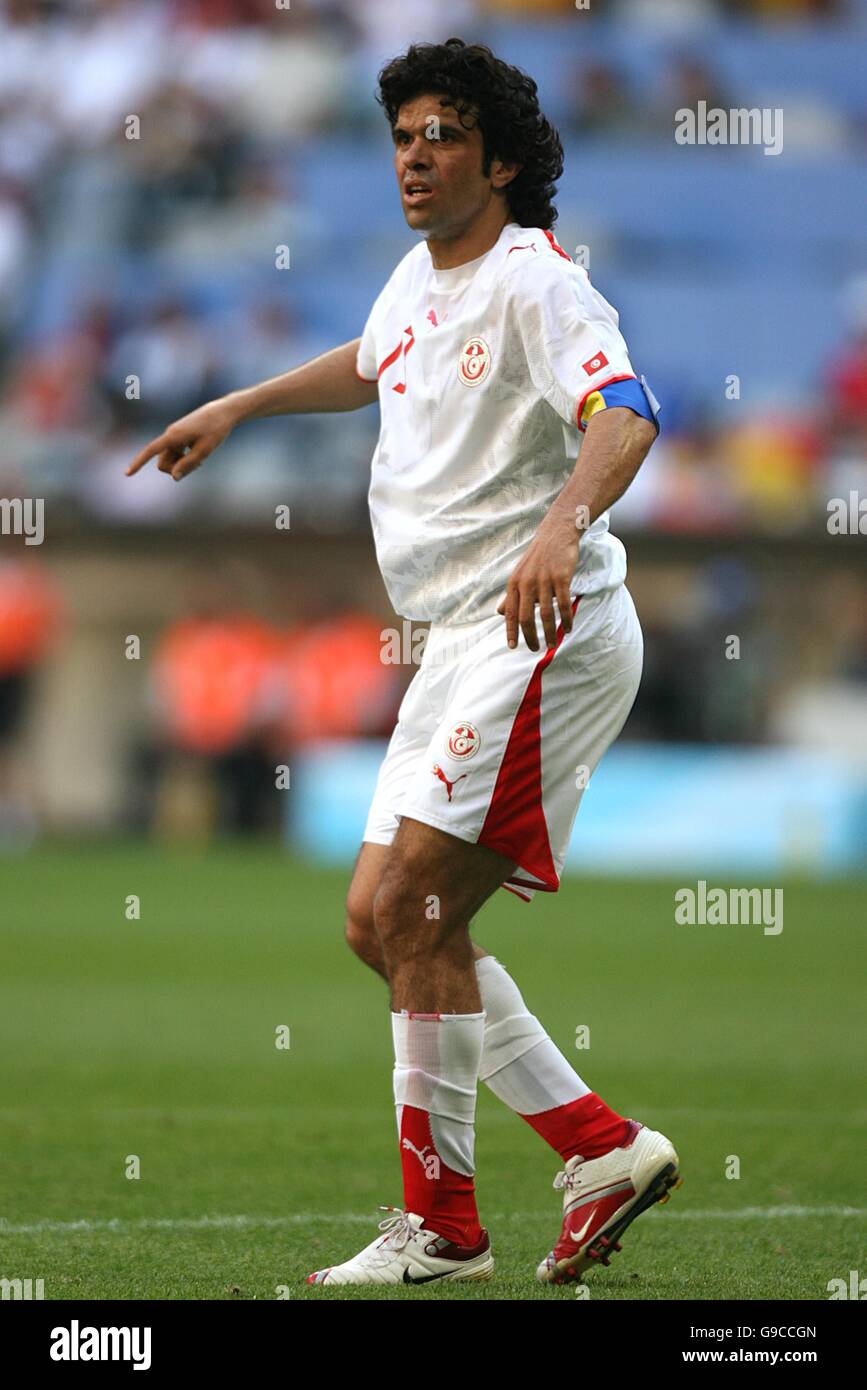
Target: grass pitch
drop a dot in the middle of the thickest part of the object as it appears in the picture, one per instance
(154, 1039)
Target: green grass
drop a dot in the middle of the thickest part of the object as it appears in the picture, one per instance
(155, 1038)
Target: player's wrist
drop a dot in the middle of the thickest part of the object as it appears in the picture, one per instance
(566, 520)
(240, 405)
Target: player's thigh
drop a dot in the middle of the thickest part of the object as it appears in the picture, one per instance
(586, 698)
(431, 877)
(407, 745)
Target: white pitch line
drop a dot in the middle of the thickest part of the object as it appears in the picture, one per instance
(764, 1213)
(121, 1226)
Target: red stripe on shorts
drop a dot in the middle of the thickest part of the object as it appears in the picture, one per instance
(515, 824)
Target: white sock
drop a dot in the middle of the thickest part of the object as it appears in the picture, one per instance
(436, 1069)
(520, 1063)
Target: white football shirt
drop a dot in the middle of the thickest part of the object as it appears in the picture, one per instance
(484, 373)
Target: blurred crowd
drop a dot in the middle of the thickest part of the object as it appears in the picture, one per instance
(229, 698)
(233, 698)
(773, 472)
(31, 610)
(136, 261)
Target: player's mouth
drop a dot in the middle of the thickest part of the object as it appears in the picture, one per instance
(416, 192)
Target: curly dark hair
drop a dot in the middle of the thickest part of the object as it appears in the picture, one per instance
(503, 100)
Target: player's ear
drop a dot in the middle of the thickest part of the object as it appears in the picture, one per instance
(502, 174)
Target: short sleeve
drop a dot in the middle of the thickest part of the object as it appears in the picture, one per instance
(365, 361)
(571, 338)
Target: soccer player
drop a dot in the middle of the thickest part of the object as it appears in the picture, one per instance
(511, 420)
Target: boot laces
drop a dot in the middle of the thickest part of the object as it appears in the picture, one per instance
(568, 1180)
(398, 1231)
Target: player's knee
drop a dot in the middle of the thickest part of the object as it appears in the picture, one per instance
(360, 933)
(360, 930)
(390, 906)
(405, 924)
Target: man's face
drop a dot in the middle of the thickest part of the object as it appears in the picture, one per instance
(438, 162)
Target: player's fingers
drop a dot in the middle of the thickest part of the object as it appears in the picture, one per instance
(146, 453)
(527, 617)
(546, 612)
(188, 463)
(167, 459)
(564, 601)
(510, 608)
(191, 460)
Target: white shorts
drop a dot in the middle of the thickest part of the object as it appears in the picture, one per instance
(495, 744)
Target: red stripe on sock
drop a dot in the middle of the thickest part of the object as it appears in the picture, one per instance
(586, 1126)
(446, 1200)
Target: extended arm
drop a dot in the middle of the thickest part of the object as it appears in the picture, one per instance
(327, 383)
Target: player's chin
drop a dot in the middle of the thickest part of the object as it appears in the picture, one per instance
(421, 219)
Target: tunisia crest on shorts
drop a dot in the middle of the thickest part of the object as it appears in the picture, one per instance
(463, 741)
(474, 363)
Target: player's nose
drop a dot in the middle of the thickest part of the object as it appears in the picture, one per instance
(417, 155)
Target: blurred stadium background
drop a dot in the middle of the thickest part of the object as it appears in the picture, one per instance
(741, 280)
